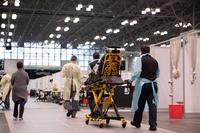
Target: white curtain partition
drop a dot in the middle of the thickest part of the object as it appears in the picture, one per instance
(191, 48)
(175, 55)
(175, 48)
(191, 64)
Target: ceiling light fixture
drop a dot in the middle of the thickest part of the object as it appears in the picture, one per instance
(58, 28)
(3, 26)
(88, 9)
(2, 33)
(93, 43)
(51, 36)
(67, 19)
(163, 45)
(133, 22)
(148, 9)
(124, 22)
(66, 29)
(2, 40)
(126, 44)
(12, 26)
(17, 3)
(46, 41)
(132, 44)
(52, 41)
(76, 20)
(91, 6)
(3, 15)
(14, 16)
(58, 36)
(96, 37)
(78, 9)
(103, 37)
(109, 31)
(116, 31)
(10, 34)
(5, 3)
(80, 6)
(153, 12)
(157, 9)
(143, 12)
(87, 43)
(8, 40)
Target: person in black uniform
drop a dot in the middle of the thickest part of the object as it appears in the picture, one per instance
(147, 71)
(91, 79)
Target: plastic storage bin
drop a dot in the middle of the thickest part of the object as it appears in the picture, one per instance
(176, 111)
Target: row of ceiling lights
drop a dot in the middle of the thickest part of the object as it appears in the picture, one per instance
(59, 28)
(114, 31)
(74, 20)
(131, 44)
(144, 39)
(160, 33)
(87, 43)
(100, 37)
(152, 11)
(131, 23)
(88, 8)
(7, 33)
(184, 25)
(15, 2)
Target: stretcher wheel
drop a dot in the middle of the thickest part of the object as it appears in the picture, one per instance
(101, 123)
(87, 122)
(124, 123)
(107, 121)
(87, 119)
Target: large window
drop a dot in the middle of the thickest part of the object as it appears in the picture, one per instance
(37, 54)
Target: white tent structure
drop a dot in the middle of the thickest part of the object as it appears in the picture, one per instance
(179, 60)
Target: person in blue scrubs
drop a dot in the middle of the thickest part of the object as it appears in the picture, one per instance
(145, 74)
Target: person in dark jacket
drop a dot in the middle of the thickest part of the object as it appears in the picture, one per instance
(145, 73)
(91, 80)
(19, 81)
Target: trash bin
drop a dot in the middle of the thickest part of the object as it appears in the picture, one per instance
(176, 111)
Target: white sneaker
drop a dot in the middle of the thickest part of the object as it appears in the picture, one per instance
(15, 118)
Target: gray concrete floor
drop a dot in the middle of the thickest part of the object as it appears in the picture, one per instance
(50, 118)
(3, 124)
(188, 125)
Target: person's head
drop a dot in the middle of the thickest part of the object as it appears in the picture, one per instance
(74, 58)
(107, 50)
(96, 55)
(51, 80)
(20, 65)
(145, 49)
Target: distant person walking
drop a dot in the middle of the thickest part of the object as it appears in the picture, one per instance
(72, 74)
(5, 87)
(19, 81)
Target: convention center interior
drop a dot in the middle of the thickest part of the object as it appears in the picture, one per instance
(113, 66)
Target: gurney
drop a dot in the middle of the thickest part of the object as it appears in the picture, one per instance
(103, 90)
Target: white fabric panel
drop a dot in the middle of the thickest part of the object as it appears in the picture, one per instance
(192, 96)
(192, 92)
(164, 63)
(163, 57)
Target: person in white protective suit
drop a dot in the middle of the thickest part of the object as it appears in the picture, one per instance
(5, 89)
